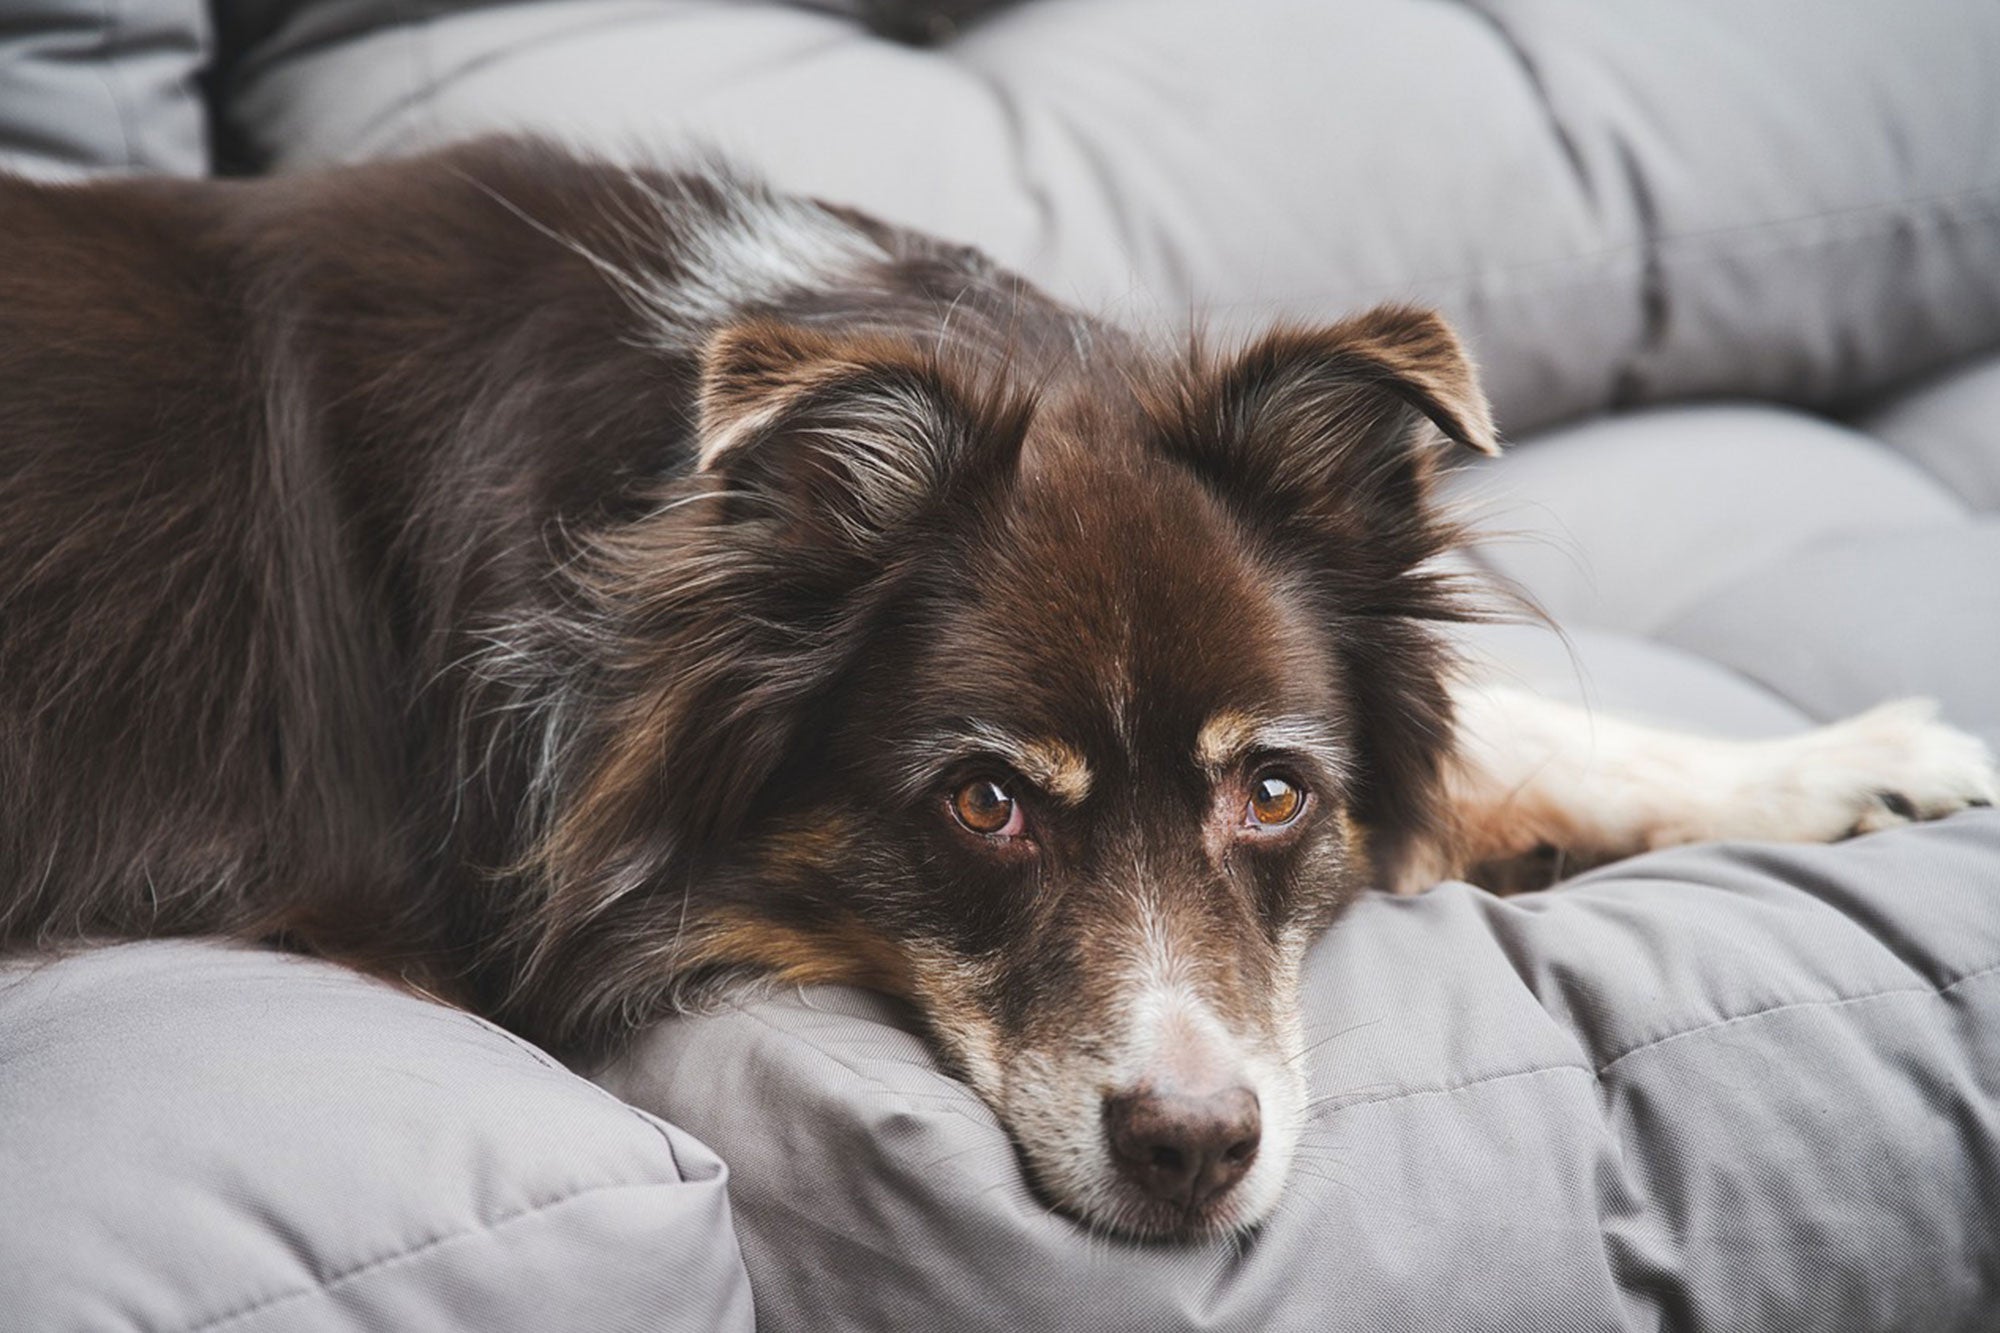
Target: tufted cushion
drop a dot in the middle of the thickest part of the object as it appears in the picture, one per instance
(1951, 427)
(1796, 200)
(196, 1138)
(1831, 566)
(96, 85)
(1712, 1089)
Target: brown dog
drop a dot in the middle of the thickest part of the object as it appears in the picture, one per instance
(571, 589)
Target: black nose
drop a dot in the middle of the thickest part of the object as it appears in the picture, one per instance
(1184, 1149)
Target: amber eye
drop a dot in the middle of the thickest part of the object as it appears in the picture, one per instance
(1274, 801)
(984, 806)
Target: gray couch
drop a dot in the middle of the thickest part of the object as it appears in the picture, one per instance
(1733, 271)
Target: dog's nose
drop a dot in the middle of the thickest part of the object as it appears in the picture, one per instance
(1180, 1148)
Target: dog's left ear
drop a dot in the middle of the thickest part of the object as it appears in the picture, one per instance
(1335, 428)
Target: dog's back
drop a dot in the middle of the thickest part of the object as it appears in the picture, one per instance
(142, 673)
(266, 451)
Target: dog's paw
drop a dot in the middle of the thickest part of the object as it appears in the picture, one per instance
(1896, 764)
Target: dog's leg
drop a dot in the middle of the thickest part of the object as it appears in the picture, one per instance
(1538, 789)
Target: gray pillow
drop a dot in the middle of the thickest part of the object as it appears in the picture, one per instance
(200, 1137)
(1794, 199)
(1723, 1088)
(103, 85)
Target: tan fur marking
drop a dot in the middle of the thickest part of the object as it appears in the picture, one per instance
(1223, 737)
(843, 952)
(1057, 768)
(818, 842)
(1229, 735)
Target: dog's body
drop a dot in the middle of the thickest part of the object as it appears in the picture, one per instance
(570, 588)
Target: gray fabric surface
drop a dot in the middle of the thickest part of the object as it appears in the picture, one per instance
(1844, 624)
(200, 1137)
(1625, 522)
(103, 85)
(1718, 1088)
(1952, 427)
(1796, 199)
(1629, 676)
(1819, 565)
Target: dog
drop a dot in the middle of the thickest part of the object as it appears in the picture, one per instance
(573, 590)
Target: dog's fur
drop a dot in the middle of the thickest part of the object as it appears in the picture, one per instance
(571, 588)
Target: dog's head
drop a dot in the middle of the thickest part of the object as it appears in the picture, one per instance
(1071, 716)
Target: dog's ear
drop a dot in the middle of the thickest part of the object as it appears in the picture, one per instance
(1326, 441)
(1333, 430)
(732, 607)
(834, 443)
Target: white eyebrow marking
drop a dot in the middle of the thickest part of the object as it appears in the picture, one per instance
(1229, 735)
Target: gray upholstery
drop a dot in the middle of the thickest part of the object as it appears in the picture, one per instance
(1725, 1088)
(200, 1137)
(103, 85)
(1813, 561)
(1798, 199)
(1717, 1088)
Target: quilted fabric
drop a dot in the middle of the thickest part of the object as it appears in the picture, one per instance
(98, 85)
(1619, 203)
(1822, 566)
(197, 1138)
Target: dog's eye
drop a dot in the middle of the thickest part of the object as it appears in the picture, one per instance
(1274, 802)
(984, 806)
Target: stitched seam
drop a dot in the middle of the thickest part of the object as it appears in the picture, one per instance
(421, 1247)
(1445, 1090)
(1839, 1002)
(1599, 1071)
(107, 59)
(1592, 265)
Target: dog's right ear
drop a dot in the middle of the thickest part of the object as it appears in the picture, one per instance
(740, 599)
(836, 442)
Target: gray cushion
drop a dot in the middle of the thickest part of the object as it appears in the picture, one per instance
(1629, 676)
(1626, 522)
(95, 85)
(1798, 560)
(1795, 199)
(1728, 1089)
(200, 1137)
(1952, 427)
(1844, 624)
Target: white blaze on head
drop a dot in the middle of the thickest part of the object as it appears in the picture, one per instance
(1173, 1034)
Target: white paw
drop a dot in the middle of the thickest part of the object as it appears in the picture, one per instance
(1895, 764)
